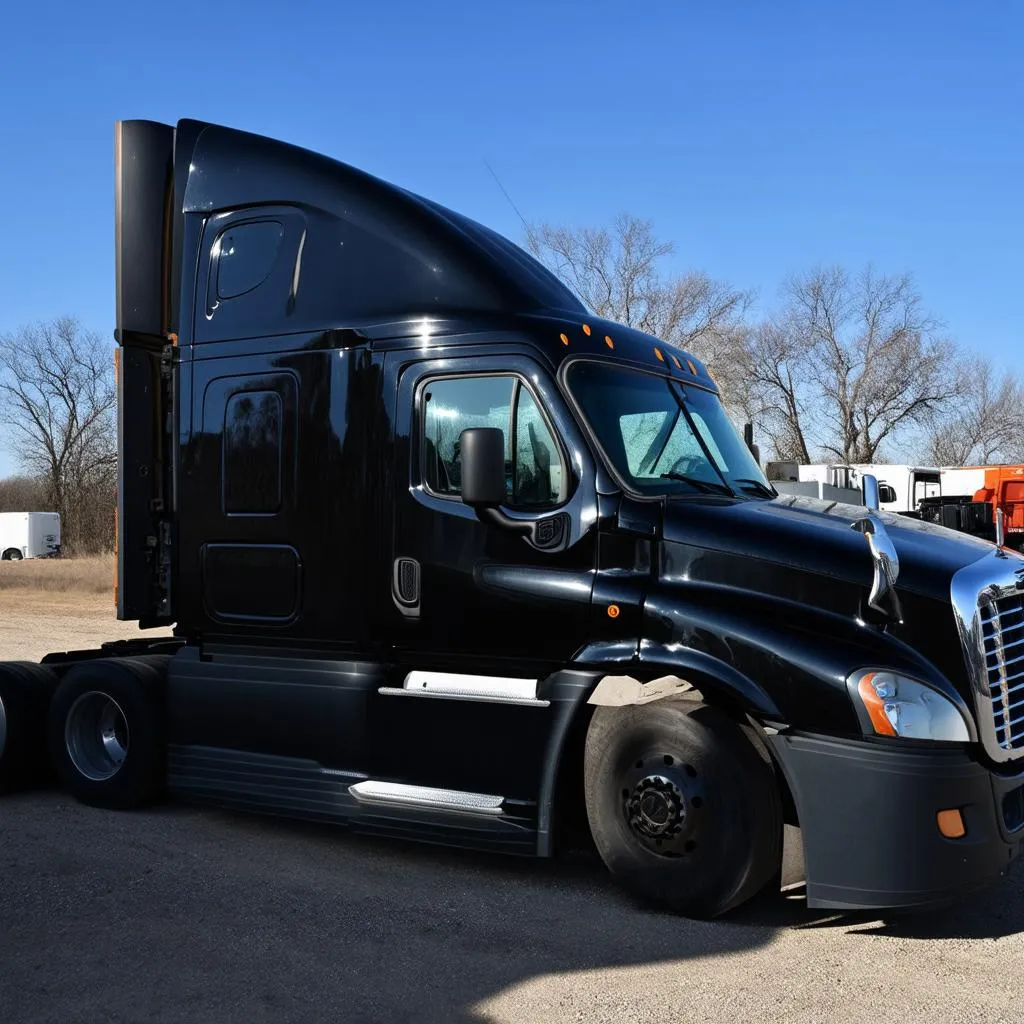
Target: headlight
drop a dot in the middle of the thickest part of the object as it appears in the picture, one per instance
(893, 705)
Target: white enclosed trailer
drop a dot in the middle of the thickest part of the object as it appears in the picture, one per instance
(29, 535)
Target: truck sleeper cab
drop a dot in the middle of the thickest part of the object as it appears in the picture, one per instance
(448, 558)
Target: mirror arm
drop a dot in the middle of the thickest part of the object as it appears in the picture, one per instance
(495, 516)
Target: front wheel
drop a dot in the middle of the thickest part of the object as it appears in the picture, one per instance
(683, 808)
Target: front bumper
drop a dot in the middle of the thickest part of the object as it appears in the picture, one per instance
(867, 815)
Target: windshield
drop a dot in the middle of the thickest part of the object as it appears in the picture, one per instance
(663, 436)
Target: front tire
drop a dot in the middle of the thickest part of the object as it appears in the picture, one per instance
(683, 808)
(107, 732)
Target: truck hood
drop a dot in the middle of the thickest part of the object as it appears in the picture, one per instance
(787, 545)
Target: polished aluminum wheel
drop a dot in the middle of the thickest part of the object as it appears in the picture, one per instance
(96, 736)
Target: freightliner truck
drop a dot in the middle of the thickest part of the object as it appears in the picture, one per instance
(448, 558)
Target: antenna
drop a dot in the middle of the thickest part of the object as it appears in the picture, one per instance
(506, 195)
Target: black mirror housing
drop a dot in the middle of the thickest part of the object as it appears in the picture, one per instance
(483, 466)
(886, 493)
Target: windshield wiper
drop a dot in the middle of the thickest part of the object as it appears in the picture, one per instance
(708, 486)
(756, 486)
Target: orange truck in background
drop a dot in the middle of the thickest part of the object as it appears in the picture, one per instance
(971, 496)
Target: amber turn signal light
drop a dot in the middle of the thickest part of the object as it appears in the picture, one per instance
(951, 823)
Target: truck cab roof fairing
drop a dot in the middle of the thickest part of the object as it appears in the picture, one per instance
(398, 251)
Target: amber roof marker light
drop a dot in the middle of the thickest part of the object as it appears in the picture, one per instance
(586, 330)
(608, 341)
(564, 338)
(658, 353)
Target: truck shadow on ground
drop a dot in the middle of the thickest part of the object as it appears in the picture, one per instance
(180, 914)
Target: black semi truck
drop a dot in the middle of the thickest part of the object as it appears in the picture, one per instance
(448, 558)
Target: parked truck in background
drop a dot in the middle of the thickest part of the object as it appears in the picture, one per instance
(973, 497)
(29, 535)
(902, 488)
(448, 558)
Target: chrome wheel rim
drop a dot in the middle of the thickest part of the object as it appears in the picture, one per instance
(96, 736)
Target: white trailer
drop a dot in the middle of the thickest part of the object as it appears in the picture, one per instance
(29, 535)
(963, 482)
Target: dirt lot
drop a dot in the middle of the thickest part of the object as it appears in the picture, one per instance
(181, 914)
(33, 623)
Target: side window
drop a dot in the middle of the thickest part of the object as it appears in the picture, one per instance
(533, 464)
(252, 453)
(246, 254)
(537, 465)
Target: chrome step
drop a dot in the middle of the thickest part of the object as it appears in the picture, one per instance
(458, 686)
(397, 794)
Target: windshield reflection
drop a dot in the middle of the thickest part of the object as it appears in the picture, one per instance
(664, 436)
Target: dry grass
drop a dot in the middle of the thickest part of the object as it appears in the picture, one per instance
(92, 575)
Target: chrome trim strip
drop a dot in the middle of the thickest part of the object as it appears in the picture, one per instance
(993, 577)
(339, 773)
(397, 794)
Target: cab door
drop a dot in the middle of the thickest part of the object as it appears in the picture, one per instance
(480, 617)
(472, 595)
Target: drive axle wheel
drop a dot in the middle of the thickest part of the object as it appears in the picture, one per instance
(25, 692)
(107, 724)
(684, 809)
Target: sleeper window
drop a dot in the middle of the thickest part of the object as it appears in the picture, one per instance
(533, 464)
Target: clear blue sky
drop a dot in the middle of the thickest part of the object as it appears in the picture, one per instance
(761, 137)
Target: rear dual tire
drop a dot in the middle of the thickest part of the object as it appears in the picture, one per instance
(107, 726)
(683, 805)
(25, 693)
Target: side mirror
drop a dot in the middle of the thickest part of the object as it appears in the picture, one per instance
(869, 488)
(483, 466)
(886, 493)
(748, 437)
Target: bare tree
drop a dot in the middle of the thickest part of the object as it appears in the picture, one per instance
(776, 368)
(22, 494)
(57, 398)
(616, 272)
(851, 362)
(986, 425)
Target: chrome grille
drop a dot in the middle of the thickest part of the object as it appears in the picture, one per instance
(988, 601)
(1002, 636)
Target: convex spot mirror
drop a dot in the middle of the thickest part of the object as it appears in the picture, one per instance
(886, 493)
(482, 451)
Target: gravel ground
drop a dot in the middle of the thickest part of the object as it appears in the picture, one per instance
(184, 914)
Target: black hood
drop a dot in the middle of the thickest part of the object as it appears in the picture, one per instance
(787, 545)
